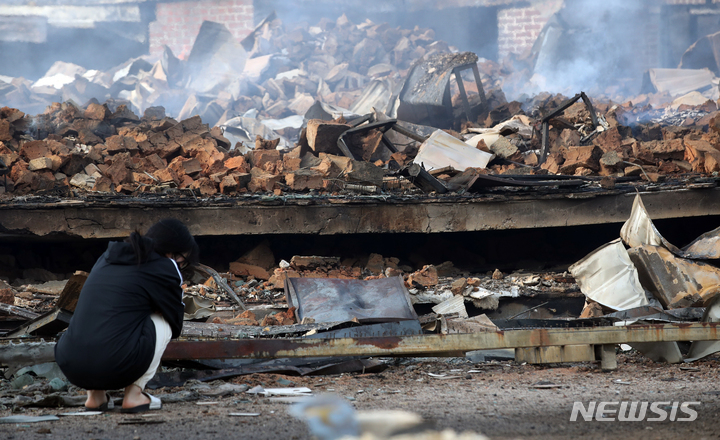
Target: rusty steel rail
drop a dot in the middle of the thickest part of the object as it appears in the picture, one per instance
(438, 345)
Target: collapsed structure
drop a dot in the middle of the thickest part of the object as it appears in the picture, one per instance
(383, 119)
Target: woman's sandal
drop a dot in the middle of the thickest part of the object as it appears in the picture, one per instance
(155, 403)
(107, 406)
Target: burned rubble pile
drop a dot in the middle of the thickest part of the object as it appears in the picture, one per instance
(100, 150)
(260, 299)
(639, 278)
(357, 116)
(255, 290)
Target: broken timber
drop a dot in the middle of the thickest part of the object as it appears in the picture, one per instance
(114, 218)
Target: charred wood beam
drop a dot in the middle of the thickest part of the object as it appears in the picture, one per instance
(422, 179)
(461, 88)
(590, 108)
(478, 81)
(49, 324)
(463, 94)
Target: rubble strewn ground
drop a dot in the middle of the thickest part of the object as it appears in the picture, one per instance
(498, 399)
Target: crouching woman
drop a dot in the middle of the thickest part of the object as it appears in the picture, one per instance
(128, 310)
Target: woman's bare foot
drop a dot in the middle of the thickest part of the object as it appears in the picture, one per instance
(95, 398)
(134, 397)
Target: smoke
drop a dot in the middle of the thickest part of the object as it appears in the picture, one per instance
(600, 47)
(594, 46)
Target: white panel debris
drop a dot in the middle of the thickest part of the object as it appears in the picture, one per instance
(607, 276)
(442, 150)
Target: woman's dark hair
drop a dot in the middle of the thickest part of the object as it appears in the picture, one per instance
(168, 236)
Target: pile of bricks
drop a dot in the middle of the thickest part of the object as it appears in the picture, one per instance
(112, 150)
(636, 141)
(260, 264)
(97, 149)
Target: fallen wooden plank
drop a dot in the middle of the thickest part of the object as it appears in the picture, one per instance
(49, 324)
(69, 297)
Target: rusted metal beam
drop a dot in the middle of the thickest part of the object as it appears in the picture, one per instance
(564, 106)
(19, 352)
(438, 345)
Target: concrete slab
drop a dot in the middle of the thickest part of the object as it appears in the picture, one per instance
(114, 217)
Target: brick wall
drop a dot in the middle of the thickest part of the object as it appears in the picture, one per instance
(517, 30)
(177, 23)
(519, 27)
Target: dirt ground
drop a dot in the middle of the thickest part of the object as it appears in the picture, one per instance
(502, 400)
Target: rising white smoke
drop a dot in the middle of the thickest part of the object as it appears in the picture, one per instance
(594, 45)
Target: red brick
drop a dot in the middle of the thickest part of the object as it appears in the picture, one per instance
(119, 173)
(262, 157)
(154, 162)
(205, 186)
(9, 158)
(237, 163)
(218, 177)
(427, 277)
(99, 112)
(671, 149)
(43, 180)
(304, 179)
(7, 296)
(263, 182)
(18, 170)
(246, 270)
(185, 182)
(375, 264)
(242, 178)
(34, 149)
(119, 144)
(228, 185)
(184, 166)
(291, 163)
(585, 157)
(41, 163)
(167, 175)
(6, 131)
(168, 150)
